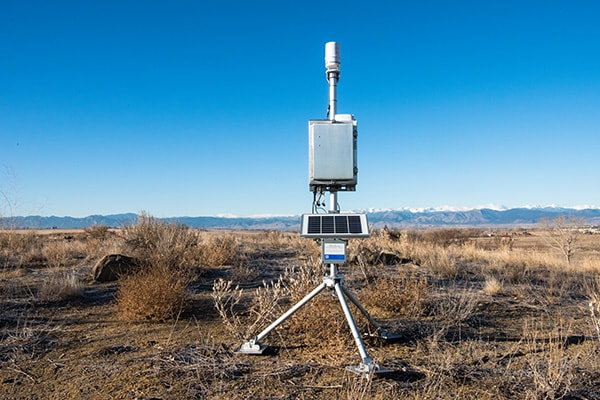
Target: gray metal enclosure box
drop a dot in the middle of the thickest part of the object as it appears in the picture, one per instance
(332, 155)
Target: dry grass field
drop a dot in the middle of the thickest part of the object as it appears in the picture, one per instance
(481, 314)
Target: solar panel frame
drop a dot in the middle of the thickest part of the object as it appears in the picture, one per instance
(334, 226)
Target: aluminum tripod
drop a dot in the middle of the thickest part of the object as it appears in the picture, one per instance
(332, 281)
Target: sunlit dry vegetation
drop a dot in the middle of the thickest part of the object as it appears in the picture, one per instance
(481, 314)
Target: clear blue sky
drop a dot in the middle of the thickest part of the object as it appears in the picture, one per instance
(201, 107)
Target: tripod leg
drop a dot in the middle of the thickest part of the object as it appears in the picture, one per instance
(355, 301)
(382, 333)
(367, 364)
(253, 346)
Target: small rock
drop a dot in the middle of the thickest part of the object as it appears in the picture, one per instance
(111, 266)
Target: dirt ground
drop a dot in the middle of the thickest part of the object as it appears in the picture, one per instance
(525, 341)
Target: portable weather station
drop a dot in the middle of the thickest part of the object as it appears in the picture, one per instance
(333, 169)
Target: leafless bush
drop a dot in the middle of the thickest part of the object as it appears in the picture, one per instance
(227, 300)
(506, 266)
(439, 255)
(512, 266)
(62, 253)
(57, 254)
(157, 293)
(504, 241)
(272, 239)
(553, 371)
(301, 279)
(218, 250)
(155, 242)
(168, 253)
(18, 249)
(404, 295)
(100, 241)
(97, 232)
(445, 237)
(31, 247)
(320, 322)
(265, 306)
(262, 310)
(7, 248)
(305, 249)
(593, 293)
(266, 301)
(562, 235)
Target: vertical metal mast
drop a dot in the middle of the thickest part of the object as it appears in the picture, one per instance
(332, 63)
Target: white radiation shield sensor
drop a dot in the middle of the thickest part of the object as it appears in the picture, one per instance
(332, 56)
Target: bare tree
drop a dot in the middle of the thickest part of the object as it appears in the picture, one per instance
(562, 234)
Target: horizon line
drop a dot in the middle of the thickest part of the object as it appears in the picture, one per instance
(415, 210)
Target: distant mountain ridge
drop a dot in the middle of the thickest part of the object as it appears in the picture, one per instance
(399, 218)
(483, 217)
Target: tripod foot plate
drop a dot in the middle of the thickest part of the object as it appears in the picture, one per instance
(250, 347)
(387, 335)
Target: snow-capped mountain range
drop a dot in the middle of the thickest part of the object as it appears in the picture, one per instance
(485, 216)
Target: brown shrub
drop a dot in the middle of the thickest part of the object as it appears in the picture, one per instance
(219, 250)
(18, 249)
(157, 293)
(168, 253)
(30, 248)
(404, 295)
(62, 253)
(263, 309)
(97, 232)
(445, 236)
(156, 242)
(100, 241)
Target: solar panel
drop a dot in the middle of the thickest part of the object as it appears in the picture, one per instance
(334, 225)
